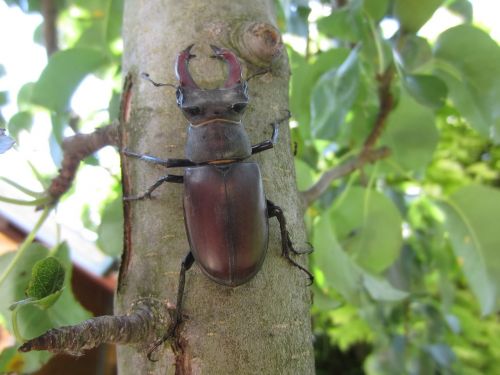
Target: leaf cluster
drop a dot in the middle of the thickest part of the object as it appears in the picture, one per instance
(406, 250)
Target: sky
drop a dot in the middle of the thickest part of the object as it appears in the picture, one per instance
(24, 61)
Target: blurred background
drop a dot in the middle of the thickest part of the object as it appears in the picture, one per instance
(396, 102)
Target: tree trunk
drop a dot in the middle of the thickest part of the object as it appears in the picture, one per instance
(263, 326)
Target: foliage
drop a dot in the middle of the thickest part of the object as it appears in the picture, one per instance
(38, 279)
(406, 252)
(38, 275)
(405, 257)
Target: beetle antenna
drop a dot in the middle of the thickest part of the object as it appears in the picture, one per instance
(157, 84)
(259, 73)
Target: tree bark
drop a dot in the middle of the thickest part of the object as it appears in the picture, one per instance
(263, 326)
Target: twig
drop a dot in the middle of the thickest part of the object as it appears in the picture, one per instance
(313, 193)
(49, 13)
(138, 327)
(386, 103)
(75, 149)
(24, 245)
(367, 154)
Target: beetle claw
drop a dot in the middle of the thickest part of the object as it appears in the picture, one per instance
(188, 51)
(302, 252)
(234, 76)
(217, 50)
(181, 68)
(138, 197)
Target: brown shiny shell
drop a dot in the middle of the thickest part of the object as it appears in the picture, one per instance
(225, 212)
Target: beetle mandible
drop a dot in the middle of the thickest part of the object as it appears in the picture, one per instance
(225, 210)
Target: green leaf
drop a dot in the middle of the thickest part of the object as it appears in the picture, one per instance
(333, 97)
(296, 20)
(376, 9)
(110, 231)
(32, 320)
(325, 301)
(114, 20)
(62, 75)
(426, 89)
(472, 217)
(368, 225)
(305, 77)
(414, 52)
(4, 98)
(411, 134)
(381, 290)
(304, 175)
(47, 277)
(100, 23)
(345, 23)
(24, 96)
(20, 121)
(413, 14)
(14, 362)
(468, 61)
(462, 8)
(114, 105)
(340, 272)
(442, 354)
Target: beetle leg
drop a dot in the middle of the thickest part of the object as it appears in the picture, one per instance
(169, 163)
(259, 73)
(286, 242)
(177, 314)
(147, 195)
(269, 143)
(146, 76)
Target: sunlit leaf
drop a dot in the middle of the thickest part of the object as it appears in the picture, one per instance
(414, 52)
(339, 270)
(411, 134)
(413, 14)
(380, 289)
(32, 320)
(305, 175)
(24, 96)
(110, 231)
(345, 23)
(20, 121)
(296, 19)
(368, 226)
(305, 76)
(468, 61)
(376, 8)
(462, 8)
(333, 96)
(63, 74)
(472, 217)
(426, 89)
(4, 97)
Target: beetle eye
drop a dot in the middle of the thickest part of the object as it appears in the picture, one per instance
(193, 111)
(239, 107)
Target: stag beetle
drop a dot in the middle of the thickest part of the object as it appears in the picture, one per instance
(225, 210)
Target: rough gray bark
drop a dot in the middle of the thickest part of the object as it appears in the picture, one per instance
(262, 327)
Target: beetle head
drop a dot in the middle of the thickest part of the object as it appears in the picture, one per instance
(204, 106)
